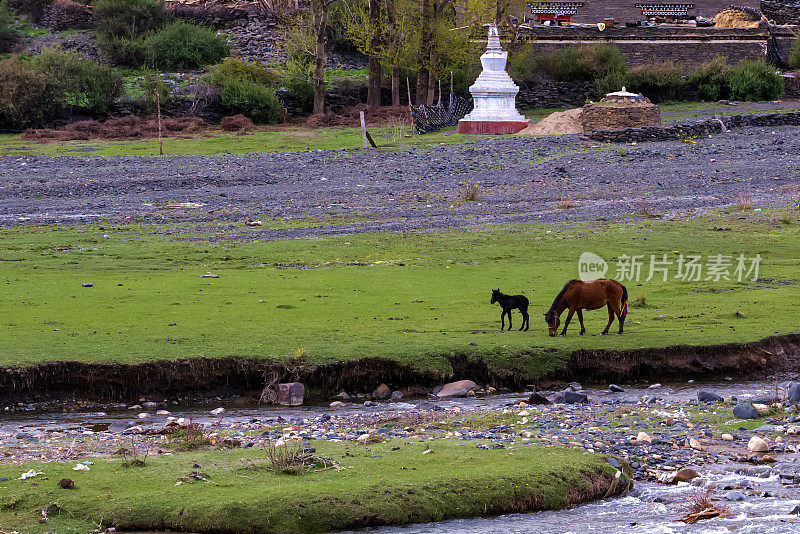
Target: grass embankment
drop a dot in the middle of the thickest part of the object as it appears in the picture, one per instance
(416, 299)
(389, 483)
(296, 138)
(289, 139)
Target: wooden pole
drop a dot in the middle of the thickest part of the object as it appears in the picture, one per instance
(363, 129)
(158, 109)
(451, 89)
(440, 92)
(408, 88)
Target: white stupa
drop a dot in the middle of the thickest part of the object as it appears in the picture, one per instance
(494, 94)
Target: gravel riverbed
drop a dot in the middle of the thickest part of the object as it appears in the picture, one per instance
(520, 180)
(659, 430)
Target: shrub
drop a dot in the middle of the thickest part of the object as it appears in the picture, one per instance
(154, 91)
(184, 46)
(711, 79)
(255, 100)
(794, 55)
(236, 69)
(603, 65)
(127, 18)
(522, 63)
(79, 81)
(754, 80)
(121, 50)
(659, 82)
(297, 82)
(587, 62)
(6, 21)
(26, 95)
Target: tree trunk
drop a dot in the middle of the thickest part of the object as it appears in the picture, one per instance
(394, 46)
(424, 56)
(374, 76)
(320, 25)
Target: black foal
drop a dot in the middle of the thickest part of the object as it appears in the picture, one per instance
(508, 303)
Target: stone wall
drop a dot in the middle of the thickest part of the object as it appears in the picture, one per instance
(689, 129)
(687, 46)
(67, 15)
(781, 11)
(541, 92)
(611, 116)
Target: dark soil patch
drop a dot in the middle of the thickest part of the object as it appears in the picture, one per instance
(208, 376)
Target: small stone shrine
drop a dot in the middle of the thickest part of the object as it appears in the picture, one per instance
(620, 110)
(494, 94)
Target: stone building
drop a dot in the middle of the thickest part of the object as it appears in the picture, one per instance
(622, 11)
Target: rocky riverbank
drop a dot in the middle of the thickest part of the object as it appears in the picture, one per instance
(678, 435)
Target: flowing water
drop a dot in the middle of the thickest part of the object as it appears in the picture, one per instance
(650, 508)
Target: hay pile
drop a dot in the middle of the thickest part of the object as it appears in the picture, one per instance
(558, 123)
(738, 17)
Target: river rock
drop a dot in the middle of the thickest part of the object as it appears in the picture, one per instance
(336, 404)
(793, 392)
(150, 404)
(694, 444)
(745, 410)
(457, 389)
(218, 411)
(756, 444)
(575, 397)
(615, 388)
(382, 392)
(535, 398)
(118, 427)
(726, 437)
(291, 394)
(643, 437)
(762, 409)
(735, 496)
(685, 475)
(397, 395)
(162, 412)
(707, 396)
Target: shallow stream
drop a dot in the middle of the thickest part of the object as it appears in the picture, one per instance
(650, 508)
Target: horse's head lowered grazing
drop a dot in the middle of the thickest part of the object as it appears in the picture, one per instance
(495, 295)
(553, 321)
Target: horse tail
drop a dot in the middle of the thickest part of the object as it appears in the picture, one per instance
(624, 305)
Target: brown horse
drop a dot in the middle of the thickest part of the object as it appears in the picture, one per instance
(578, 295)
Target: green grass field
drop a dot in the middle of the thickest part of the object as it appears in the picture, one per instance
(298, 138)
(389, 483)
(414, 298)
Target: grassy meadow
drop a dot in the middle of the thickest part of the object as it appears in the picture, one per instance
(388, 483)
(414, 298)
(297, 138)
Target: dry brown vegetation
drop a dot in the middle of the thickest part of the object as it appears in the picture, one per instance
(130, 127)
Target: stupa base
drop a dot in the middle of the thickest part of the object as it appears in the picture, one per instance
(491, 127)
